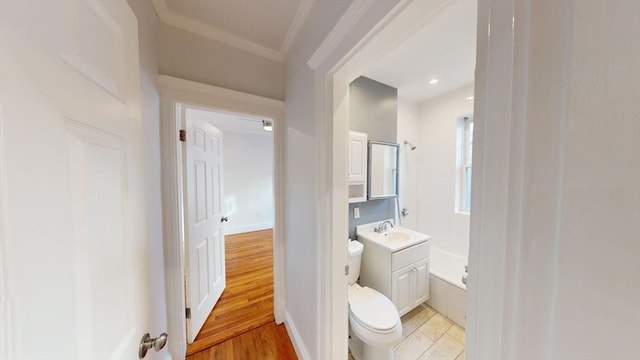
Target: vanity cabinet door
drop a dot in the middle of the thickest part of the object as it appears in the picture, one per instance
(410, 286)
(421, 285)
(401, 284)
(357, 157)
(358, 154)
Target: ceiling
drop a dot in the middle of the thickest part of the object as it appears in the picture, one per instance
(265, 28)
(227, 122)
(445, 49)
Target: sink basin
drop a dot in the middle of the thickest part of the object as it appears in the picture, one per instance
(396, 234)
(394, 238)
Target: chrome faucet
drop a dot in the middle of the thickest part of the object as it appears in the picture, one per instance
(382, 227)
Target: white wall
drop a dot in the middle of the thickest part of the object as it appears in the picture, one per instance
(248, 181)
(148, 25)
(555, 255)
(301, 184)
(592, 138)
(307, 192)
(437, 148)
(194, 57)
(408, 130)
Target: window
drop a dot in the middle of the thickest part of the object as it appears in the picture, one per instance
(465, 154)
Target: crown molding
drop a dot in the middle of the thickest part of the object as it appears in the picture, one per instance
(349, 19)
(172, 18)
(298, 20)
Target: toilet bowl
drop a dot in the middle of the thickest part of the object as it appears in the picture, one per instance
(374, 324)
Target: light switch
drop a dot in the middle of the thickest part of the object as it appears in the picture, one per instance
(356, 213)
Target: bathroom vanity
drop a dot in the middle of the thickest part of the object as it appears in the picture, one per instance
(396, 263)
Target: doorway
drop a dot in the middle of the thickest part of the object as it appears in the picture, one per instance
(247, 212)
(406, 22)
(177, 95)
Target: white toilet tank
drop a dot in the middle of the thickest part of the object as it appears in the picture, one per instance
(355, 254)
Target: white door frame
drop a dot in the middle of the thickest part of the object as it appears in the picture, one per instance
(332, 91)
(492, 170)
(174, 93)
(6, 325)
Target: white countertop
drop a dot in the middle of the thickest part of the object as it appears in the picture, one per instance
(394, 239)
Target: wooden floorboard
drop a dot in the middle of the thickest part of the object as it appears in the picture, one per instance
(267, 342)
(247, 301)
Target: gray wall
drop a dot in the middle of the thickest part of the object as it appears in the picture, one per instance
(194, 57)
(373, 109)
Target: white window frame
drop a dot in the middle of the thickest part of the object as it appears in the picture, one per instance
(464, 159)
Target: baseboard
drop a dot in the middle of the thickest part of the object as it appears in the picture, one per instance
(230, 230)
(297, 342)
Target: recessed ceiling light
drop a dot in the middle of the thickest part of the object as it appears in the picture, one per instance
(267, 125)
(433, 81)
(469, 97)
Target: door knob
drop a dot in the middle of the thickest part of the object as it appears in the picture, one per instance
(148, 342)
(224, 219)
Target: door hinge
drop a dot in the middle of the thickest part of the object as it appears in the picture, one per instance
(188, 313)
(346, 269)
(183, 135)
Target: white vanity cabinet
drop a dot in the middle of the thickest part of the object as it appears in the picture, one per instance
(402, 275)
(410, 286)
(357, 166)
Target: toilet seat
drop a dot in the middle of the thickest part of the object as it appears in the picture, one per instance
(372, 309)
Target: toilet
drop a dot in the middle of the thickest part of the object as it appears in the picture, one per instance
(374, 324)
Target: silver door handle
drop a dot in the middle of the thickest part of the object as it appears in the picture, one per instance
(148, 342)
(224, 219)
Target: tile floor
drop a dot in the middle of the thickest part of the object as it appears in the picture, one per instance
(428, 335)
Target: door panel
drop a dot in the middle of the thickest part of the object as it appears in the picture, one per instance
(102, 260)
(72, 195)
(357, 157)
(200, 183)
(421, 282)
(205, 278)
(401, 289)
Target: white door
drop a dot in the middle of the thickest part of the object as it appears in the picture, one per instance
(71, 202)
(204, 242)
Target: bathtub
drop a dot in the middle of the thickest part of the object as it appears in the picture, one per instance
(447, 293)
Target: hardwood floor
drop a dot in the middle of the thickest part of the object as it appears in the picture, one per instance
(268, 342)
(245, 304)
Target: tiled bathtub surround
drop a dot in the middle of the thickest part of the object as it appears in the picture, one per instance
(448, 299)
(428, 335)
(447, 293)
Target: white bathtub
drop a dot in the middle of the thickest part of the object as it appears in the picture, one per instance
(447, 293)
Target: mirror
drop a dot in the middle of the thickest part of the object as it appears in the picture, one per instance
(383, 170)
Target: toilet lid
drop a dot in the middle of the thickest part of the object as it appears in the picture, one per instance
(372, 309)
